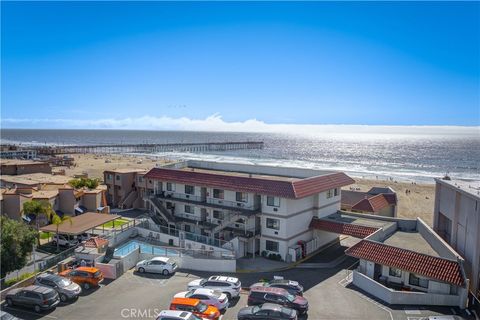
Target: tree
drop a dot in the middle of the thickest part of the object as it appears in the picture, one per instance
(39, 209)
(58, 221)
(84, 182)
(17, 240)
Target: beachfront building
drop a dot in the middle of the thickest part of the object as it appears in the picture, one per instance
(127, 187)
(456, 219)
(401, 261)
(18, 167)
(259, 209)
(6, 153)
(377, 201)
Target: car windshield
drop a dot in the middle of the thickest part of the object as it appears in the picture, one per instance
(97, 274)
(189, 293)
(194, 317)
(202, 282)
(202, 307)
(256, 309)
(290, 297)
(62, 283)
(49, 294)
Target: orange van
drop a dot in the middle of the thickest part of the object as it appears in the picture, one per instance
(87, 277)
(195, 306)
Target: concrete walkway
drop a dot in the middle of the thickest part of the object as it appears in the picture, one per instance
(259, 264)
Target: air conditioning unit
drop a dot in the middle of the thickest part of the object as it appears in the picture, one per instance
(187, 196)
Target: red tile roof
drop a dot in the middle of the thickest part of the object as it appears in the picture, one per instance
(96, 242)
(425, 265)
(285, 189)
(371, 204)
(353, 230)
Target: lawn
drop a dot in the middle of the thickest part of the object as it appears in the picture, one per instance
(118, 223)
(45, 235)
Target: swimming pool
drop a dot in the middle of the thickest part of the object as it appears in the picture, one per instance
(131, 245)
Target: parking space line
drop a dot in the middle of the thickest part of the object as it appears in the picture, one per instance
(379, 305)
(29, 312)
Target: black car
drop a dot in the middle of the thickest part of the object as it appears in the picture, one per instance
(260, 295)
(267, 311)
(291, 286)
(37, 297)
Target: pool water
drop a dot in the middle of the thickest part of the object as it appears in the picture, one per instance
(131, 245)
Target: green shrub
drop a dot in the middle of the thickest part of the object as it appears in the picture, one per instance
(22, 277)
(264, 253)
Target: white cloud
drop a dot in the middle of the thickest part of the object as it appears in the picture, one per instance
(215, 122)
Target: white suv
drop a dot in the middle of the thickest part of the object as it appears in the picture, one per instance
(161, 265)
(228, 285)
(177, 315)
(65, 240)
(208, 296)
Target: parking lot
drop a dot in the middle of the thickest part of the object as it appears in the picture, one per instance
(142, 296)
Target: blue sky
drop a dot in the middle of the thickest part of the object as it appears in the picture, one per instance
(178, 65)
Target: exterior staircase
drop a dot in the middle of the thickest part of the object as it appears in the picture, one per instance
(155, 203)
(128, 200)
(231, 218)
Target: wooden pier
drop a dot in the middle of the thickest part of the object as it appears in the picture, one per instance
(149, 147)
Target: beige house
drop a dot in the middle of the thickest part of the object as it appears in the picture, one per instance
(17, 167)
(126, 188)
(456, 219)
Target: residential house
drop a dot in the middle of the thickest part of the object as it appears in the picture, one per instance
(377, 201)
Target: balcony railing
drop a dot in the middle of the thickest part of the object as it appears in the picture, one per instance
(211, 202)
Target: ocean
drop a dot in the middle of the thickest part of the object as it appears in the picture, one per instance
(401, 153)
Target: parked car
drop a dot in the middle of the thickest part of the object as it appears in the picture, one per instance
(65, 240)
(267, 311)
(292, 287)
(195, 306)
(161, 265)
(211, 297)
(177, 315)
(65, 288)
(259, 295)
(228, 285)
(37, 297)
(83, 237)
(87, 277)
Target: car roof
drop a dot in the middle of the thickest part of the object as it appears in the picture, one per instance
(49, 276)
(87, 269)
(163, 259)
(39, 289)
(185, 301)
(204, 291)
(268, 290)
(223, 278)
(271, 306)
(175, 313)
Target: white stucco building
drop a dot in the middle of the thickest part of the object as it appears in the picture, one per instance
(259, 209)
(456, 219)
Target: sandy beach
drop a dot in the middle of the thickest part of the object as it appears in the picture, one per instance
(418, 203)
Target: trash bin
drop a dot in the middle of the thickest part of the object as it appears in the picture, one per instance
(61, 267)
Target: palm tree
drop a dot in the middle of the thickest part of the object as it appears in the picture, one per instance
(58, 221)
(38, 208)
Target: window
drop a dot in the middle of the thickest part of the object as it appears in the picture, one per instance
(109, 176)
(189, 189)
(329, 193)
(336, 191)
(241, 197)
(117, 177)
(188, 209)
(416, 281)
(395, 272)
(273, 201)
(271, 245)
(169, 186)
(218, 193)
(140, 179)
(217, 214)
(273, 223)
